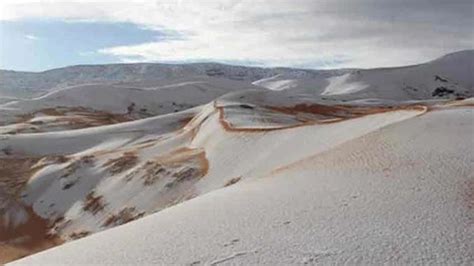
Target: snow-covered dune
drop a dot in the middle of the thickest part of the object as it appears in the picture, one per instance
(94, 105)
(105, 94)
(447, 77)
(263, 165)
(401, 194)
(221, 132)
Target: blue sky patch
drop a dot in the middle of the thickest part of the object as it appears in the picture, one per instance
(37, 45)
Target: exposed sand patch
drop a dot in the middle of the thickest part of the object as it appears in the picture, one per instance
(65, 118)
(173, 175)
(21, 238)
(80, 234)
(94, 203)
(15, 173)
(81, 111)
(126, 215)
(181, 164)
(56, 159)
(186, 120)
(319, 114)
(9, 252)
(120, 164)
(335, 113)
(27, 238)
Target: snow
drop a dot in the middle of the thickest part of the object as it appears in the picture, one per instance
(153, 89)
(59, 189)
(264, 166)
(392, 196)
(73, 141)
(276, 83)
(276, 148)
(340, 85)
(30, 85)
(119, 98)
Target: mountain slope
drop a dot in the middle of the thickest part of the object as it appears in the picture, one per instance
(451, 72)
(29, 84)
(446, 77)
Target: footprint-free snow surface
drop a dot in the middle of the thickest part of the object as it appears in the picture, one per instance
(214, 164)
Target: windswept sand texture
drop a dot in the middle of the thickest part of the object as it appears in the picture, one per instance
(293, 174)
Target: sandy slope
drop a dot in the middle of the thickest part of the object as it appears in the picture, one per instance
(401, 194)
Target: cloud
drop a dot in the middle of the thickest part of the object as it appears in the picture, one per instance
(31, 37)
(313, 33)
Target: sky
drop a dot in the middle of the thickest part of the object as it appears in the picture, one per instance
(40, 35)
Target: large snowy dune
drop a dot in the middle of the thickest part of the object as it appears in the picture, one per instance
(401, 194)
(210, 164)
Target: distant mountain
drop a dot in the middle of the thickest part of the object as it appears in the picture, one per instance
(447, 76)
(30, 84)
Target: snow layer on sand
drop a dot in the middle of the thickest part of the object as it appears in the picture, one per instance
(340, 85)
(88, 188)
(276, 83)
(399, 195)
(72, 141)
(155, 99)
(259, 152)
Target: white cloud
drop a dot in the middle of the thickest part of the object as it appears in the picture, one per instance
(31, 37)
(333, 33)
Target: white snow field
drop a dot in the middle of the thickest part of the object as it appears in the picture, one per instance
(217, 164)
(401, 194)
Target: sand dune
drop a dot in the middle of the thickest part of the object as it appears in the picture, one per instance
(331, 166)
(399, 194)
